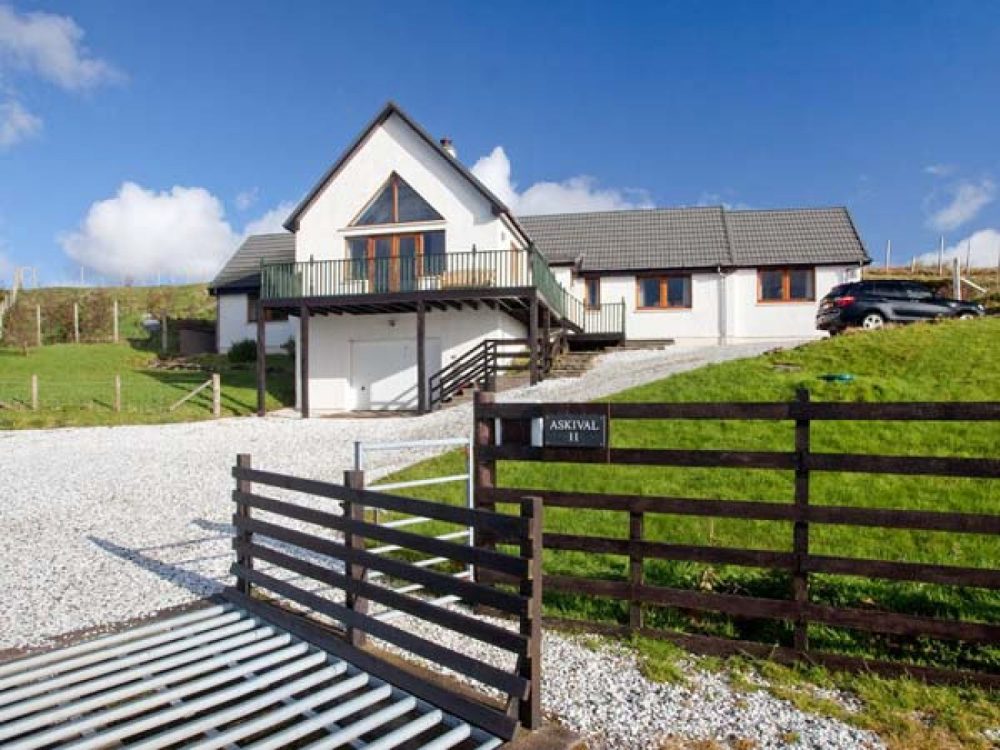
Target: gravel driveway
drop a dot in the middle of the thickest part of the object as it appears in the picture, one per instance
(105, 524)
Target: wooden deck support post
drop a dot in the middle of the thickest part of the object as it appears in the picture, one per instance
(530, 665)
(304, 361)
(533, 339)
(422, 405)
(546, 344)
(261, 361)
(800, 533)
(354, 479)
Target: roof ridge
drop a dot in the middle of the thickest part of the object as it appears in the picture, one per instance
(617, 211)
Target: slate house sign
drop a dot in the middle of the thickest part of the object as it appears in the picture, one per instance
(575, 430)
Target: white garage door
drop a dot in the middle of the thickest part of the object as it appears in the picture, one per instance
(384, 373)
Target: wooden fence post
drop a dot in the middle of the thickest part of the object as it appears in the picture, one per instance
(216, 395)
(76, 322)
(635, 560)
(800, 533)
(34, 392)
(355, 480)
(530, 666)
(114, 321)
(38, 325)
(243, 538)
(485, 470)
(118, 392)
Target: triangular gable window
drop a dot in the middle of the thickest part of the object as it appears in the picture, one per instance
(397, 203)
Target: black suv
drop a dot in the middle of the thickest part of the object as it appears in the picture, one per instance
(872, 304)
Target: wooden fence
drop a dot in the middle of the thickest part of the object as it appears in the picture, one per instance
(297, 554)
(504, 432)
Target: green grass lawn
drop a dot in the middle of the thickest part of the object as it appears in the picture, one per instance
(952, 361)
(76, 386)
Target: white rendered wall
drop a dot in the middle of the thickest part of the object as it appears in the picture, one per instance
(330, 346)
(395, 147)
(699, 323)
(750, 319)
(233, 325)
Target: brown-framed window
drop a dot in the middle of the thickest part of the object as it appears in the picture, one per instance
(663, 292)
(394, 262)
(593, 289)
(396, 203)
(269, 314)
(786, 285)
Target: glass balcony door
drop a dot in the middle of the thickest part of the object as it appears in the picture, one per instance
(394, 262)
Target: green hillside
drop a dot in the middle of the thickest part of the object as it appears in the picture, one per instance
(95, 309)
(943, 362)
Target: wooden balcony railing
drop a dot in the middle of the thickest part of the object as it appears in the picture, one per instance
(477, 269)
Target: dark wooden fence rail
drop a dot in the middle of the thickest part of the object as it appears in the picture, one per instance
(297, 554)
(512, 421)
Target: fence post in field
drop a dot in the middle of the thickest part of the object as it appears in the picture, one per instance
(635, 560)
(800, 534)
(355, 512)
(76, 322)
(485, 470)
(244, 538)
(114, 321)
(34, 393)
(530, 665)
(216, 395)
(118, 392)
(38, 325)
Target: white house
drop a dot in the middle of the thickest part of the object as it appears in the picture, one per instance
(402, 277)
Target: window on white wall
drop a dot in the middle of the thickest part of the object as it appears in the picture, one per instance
(786, 285)
(269, 314)
(396, 203)
(661, 292)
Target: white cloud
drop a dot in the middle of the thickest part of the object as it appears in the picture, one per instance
(246, 198)
(271, 221)
(717, 199)
(52, 47)
(985, 250)
(575, 194)
(139, 233)
(940, 170)
(16, 123)
(965, 200)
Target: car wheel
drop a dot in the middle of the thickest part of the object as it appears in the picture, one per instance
(872, 320)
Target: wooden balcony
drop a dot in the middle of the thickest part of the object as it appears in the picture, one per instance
(504, 279)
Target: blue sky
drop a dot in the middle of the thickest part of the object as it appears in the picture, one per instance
(142, 139)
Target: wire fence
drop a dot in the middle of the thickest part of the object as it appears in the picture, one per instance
(134, 393)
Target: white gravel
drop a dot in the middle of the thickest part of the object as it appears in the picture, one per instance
(104, 524)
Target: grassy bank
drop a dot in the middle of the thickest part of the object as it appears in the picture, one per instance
(95, 308)
(943, 362)
(952, 361)
(76, 386)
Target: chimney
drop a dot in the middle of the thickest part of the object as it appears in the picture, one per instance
(448, 146)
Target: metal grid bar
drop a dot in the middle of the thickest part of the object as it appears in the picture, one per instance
(208, 680)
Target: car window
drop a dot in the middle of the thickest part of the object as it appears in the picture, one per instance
(918, 291)
(888, 289)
